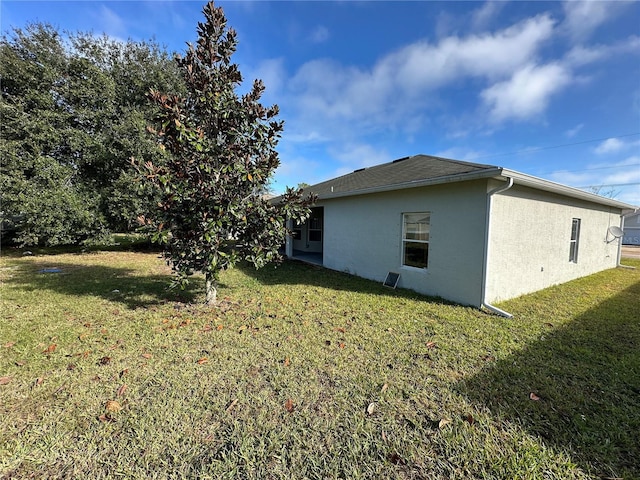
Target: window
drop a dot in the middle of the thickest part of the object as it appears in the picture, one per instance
(415, 239)
(315, 227)
(575, 237)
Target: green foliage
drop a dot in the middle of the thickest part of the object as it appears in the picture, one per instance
(221, 150)
(74, 111)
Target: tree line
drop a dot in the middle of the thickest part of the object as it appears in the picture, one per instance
(74, 111)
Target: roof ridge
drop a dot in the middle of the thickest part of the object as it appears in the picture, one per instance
(460, 162)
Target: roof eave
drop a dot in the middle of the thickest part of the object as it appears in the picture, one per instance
(553, 187)
(458, 177)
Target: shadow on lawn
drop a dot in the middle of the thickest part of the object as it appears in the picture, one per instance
(115, 284)
(295, 272)
(587, 378)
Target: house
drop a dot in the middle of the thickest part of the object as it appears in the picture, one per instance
(470, 233)
(631, 229)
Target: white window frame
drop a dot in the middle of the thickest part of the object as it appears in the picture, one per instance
(406, 240)
(574, 242)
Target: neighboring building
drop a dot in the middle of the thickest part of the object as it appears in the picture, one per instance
(470, 233)
(631, 229)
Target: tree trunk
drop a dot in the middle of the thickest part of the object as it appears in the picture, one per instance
(211, 290)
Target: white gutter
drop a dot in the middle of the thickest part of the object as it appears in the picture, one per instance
(619, 259)
(487, 238)
(458, 177)
(558, 188)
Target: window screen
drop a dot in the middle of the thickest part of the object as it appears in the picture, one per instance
(415, 239)
(575, 238)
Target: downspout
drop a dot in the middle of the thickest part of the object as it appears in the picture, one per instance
(485, 269)
(619, 259)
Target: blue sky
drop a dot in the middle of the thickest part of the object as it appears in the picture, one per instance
(551, 89)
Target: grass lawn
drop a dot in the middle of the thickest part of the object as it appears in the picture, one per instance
(302, 373)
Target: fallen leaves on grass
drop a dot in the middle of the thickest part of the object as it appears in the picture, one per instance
(289, 406)
(123, 372)
(371, 408)
(105, 417)
(469, 419)
(38, 381)
(232, 405)
(104, 361)
(121, 391)
(113, 406)
(202, 360)
(287, 362)
(5, 380)
(432, 345)
(384, 388)
(50, 349)
(9, 344)
(146, 355)
(534, 397)
(443, 423)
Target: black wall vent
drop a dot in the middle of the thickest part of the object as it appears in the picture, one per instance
(392, 280)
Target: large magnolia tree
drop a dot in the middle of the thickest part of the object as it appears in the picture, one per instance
(220, 154)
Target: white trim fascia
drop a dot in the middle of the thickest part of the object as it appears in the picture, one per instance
(498, 173)
(459, 177)
(553, 187)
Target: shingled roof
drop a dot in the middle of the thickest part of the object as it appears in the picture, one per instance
(402, 173)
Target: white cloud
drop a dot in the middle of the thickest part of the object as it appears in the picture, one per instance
(112, 24)
(271, 72)
(483, 16)
(399, 82)
(294, 169)
(422, 65)
(583, 17)
(527, 93)
(319, 34)
(613, 176)
(358, 155)
(610, 145)
(572, 132)
(461, 153)
(615, 145)
(579, 56)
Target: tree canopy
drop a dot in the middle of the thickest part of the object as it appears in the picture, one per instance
(74, 111)
(220, 153)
